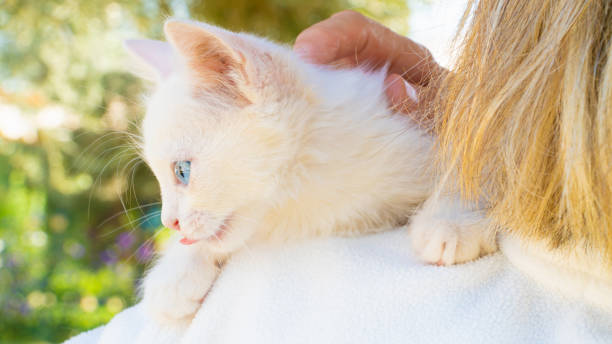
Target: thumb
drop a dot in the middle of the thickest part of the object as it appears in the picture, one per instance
(401, 95)
(316, 45)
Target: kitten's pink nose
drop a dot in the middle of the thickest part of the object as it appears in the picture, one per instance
(174, 224)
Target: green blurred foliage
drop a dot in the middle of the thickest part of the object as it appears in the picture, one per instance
(79, 213)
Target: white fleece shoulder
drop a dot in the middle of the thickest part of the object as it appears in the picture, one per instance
(373, 290)
(573, 274)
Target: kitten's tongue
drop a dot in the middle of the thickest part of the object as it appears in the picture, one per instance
(186, 241)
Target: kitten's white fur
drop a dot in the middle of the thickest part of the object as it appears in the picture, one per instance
(281, 150)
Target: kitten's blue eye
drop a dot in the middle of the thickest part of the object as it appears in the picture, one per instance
(182, 170)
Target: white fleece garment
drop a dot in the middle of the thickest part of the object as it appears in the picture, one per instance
(369, 290)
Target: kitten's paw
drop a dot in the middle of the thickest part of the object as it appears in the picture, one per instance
(440, 239)
(173, 296)
(167, 304)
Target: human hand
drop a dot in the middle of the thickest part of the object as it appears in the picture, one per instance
(348, 38)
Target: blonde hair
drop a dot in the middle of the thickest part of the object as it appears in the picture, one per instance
(526, 118)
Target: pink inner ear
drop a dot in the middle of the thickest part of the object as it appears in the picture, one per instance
(213, 63)
(156, 54)
(205, 52)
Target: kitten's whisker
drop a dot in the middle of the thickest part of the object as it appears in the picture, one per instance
(132, 164)
(124, 207)
(123, 212)
(132, 183)
(140, 220)
(87, 165)
(98, 180)
(88, 147)
(149, 240)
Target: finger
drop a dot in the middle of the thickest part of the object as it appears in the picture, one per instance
(316, 45)
(412, 61)
(401, 96)
(350, 35)
(344, 63)
(331, 39)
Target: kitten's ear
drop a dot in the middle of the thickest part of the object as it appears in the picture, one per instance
(206, 52)
(155, 58)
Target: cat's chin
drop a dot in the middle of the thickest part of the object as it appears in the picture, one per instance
(235, 231)
(217, 237)
(230, 241)
(224, 240)
(226, 245)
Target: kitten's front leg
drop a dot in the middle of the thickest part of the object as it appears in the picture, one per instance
(447, 231)
(177, 284)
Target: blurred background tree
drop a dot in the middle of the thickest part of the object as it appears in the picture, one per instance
(79, 213)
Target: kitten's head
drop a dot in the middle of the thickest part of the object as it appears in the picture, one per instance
(213, 131)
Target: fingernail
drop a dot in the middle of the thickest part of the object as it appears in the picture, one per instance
(411, 92)
(303, 52)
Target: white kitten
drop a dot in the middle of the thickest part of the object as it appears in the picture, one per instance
(250, 144)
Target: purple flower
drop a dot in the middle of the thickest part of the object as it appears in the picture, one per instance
(145, 252)
(125, 240)
(24, 309)
(108, 257)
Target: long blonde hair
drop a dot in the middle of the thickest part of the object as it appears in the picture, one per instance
(526, 118)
